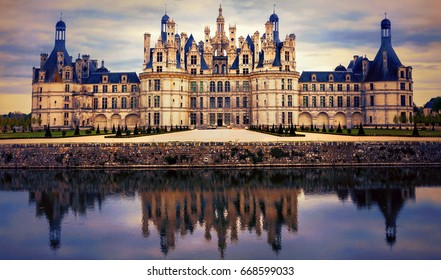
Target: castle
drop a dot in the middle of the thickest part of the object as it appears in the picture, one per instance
(222, 81)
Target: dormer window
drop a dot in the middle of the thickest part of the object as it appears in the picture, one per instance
(105, 79)
(348, 78)
(314, 77)
(331, 78)
(124, 78)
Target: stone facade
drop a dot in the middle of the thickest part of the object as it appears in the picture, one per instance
(222, 81)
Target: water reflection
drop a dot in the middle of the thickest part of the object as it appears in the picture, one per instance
(222, 203)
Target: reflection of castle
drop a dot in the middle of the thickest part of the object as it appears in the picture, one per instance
(54, 204)
(389, 200)
(223, 211)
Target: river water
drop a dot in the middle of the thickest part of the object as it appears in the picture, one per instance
(362, 213)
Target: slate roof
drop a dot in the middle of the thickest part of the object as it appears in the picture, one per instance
(113, 78)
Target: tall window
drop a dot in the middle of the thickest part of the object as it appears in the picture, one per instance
(114, 103)
(212, 102)
(289, 117)
(192, 102)
(237, 102)
(245, 59)
(193, 118)
(66, 88)
(356, 101)
(193, 86)
(133, 103)
(348, 101)
(201, 102)
(212, 86)
(314, 101)
(219, 86)
(156, 101)
(305, 101)
(124, 103)
(95, 89)
(403, 100)
(104, 103)
(402, 86)
(227, 86)
(219, 102)
(289, 84)
(283, 100)
(201, 86)
(331, 101)
(133, 88)
(157, 85)
(339, 101)
(237, 86)
(331, 87)
(322, 87)
(286, 56)
(114, 88)
(356, 87)
(289, 100)
(322, 101)
(283, 84)
(193, 60)
(124, 88)
(158, 68)
(95, 103)
(283, 117)
(372, 100)
(227, 102)
(156, 118)
(104, 89)
(305, 87)
(314, 87)
(159, 57)
(246, 86)
(339, 87)
(245, 102)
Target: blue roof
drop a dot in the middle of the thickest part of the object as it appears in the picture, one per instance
(235, 64)
(60, 24)
(276, 61)
(385, 24)
(113, 78)
(250, 43)
(261, 58)
(274, 17)
(188, 44)
(380, 72)
(323, 77)
(204, 65)
(165, 18)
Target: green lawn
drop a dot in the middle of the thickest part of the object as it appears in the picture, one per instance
(390, 132)
(55, 134)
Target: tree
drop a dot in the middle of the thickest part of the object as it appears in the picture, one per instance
(361, 131)
(395, 120)
(113, 129)
(415, 131)
(77, 131)
(403, 118)
(324, 128)
(48, 132)
(280, 130)
(339, 130)
(118, 132)
(98, 129)
(136, 132)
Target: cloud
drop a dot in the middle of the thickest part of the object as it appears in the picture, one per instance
(113, 30)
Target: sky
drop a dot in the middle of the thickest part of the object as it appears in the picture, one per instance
(328, 33)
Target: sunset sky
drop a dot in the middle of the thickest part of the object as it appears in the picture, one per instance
(328, 33)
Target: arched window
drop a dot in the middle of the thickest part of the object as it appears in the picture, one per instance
(224, 69)
(227, 86)
(216, 69)
(219, 86)
(212, 86)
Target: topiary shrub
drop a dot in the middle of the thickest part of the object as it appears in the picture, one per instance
(98, 129)
(77, 131)
(339, 130)
(361, 131)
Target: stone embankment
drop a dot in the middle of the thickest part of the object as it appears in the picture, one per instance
(218, 154)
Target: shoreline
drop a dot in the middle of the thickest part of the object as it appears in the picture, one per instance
(219, 155)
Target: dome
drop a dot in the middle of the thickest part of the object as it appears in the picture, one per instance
(274, 17)
(60, 24)
(165, 18)
(340, 68)
(102, 70)
(385, 24)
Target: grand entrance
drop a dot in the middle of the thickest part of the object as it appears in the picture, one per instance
(220, 120)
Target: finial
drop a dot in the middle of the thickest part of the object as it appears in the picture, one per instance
(165, 8)
(274, 10)
(61, 16)
(385, 15)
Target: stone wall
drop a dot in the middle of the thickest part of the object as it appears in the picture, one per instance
(213, 154)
